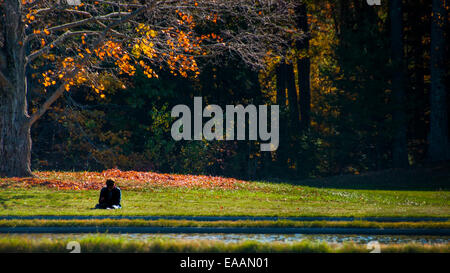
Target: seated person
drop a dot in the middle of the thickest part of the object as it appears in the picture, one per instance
(109, 196)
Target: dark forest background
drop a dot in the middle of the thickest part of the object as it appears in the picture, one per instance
(354, 96)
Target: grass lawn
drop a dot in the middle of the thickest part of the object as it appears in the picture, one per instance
(253, 199)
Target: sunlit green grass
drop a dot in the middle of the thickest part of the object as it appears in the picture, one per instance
(105, 243)
(259, 199)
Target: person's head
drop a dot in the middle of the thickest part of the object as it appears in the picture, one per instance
(110, 184)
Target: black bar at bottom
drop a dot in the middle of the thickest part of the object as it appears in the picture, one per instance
(227, 262)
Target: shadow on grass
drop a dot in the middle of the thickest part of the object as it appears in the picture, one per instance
(429, 178)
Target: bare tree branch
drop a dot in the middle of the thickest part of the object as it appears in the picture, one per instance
(120, 4)
(59, 40)
(88, 20)
(74, 11)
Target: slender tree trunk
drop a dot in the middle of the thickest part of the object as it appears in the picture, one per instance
(438, 148)
(293, 100)
(281, 84)
(15, 139)
(281, 101)
(420, 100)
(400, 149)
(303, 68)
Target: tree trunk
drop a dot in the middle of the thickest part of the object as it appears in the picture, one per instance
(293, 100)
(438, 148)
(282, 151)
(303, 68)
(281, 84)
(400, 149)
(15, 139)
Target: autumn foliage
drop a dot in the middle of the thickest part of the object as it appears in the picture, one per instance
(48, 48)
(127, 180)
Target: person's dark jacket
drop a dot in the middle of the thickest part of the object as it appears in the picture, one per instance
(110, 198)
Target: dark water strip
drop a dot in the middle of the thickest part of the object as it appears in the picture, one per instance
(226, 218)
(243, 230)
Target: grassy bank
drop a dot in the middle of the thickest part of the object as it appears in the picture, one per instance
(246, 223)
(103, 243)
(262, 199)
